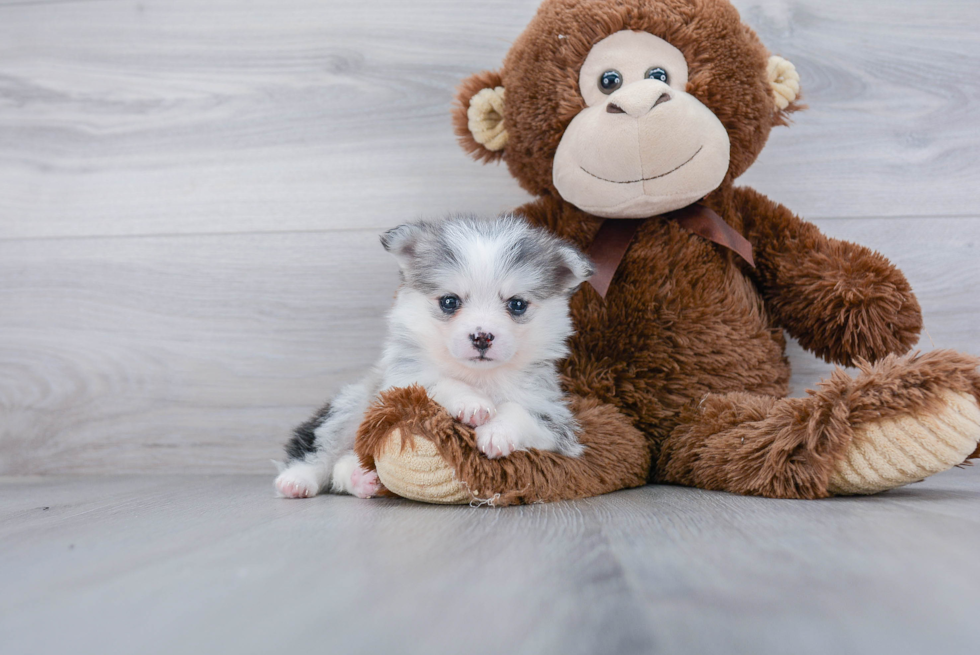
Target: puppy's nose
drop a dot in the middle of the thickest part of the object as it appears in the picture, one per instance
(482, 341)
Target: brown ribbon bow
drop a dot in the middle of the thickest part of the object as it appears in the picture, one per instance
(614, 236)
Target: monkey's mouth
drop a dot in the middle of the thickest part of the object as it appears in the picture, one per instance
(647, 179)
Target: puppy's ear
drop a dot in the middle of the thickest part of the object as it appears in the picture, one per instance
(402, 241)
(576, 269)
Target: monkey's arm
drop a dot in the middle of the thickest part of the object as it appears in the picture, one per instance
(841, 301)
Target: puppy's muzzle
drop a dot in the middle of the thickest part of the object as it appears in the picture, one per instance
(482, 341)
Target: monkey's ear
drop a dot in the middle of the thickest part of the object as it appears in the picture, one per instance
(785, 84)
(478, 116)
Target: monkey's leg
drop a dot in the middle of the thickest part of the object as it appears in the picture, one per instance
(899, 421)
(421, 453)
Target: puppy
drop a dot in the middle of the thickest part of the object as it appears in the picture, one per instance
(480, 321)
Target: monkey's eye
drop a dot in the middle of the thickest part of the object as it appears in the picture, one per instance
(657, 73)
(516, 306)
(450, 303)
(610, 81)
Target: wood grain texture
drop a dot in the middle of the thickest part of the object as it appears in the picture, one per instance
(201, 352)
(149, 352)
(182, 116)
(197, 564)
(190, 194)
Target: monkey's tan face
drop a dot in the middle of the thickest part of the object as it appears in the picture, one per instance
(643, 146)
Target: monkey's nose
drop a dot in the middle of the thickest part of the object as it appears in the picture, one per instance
(664, 97)
(637, 104)
(482, 341)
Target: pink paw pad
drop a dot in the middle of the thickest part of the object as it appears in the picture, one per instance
(496, 440)
(365, 484)
(499, 448)
(474, 416)
(290, 489)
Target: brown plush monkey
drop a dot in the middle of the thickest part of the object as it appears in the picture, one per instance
(630, 120)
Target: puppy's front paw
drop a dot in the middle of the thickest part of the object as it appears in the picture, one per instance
(297, 482)
(497, 439)
(364, 483)
(472, 410)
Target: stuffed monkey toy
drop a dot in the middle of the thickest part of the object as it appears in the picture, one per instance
(629, 121)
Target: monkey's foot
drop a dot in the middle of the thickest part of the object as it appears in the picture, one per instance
(892, 452)
(419, 472)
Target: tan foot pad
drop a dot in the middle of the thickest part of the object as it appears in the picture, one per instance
(419, 472)
(896, 451)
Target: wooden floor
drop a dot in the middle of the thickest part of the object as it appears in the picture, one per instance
(190, 197)
(216, 564)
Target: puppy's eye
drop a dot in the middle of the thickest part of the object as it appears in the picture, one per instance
(610, 81)
(516, 306)
(657, 73)
(450, 303)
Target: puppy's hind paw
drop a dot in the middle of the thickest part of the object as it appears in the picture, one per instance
(364, 483)
(296, 483)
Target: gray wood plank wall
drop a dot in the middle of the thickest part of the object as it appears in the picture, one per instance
(191, 192)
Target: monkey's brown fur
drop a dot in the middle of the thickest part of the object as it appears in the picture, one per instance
(688, 345)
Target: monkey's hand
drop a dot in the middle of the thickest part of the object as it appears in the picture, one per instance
(842, 301)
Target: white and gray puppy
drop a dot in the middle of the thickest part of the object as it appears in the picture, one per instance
(480, 321)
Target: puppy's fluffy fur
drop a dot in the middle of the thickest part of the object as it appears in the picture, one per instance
(480, 320)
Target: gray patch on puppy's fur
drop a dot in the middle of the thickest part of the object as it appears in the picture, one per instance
(564, 428)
